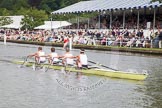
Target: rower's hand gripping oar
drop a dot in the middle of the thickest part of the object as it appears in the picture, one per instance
(47, 68)
(102, 65)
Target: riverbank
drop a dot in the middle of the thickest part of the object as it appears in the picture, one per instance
(150, 51)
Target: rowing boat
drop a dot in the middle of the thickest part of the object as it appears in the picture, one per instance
(93, 71)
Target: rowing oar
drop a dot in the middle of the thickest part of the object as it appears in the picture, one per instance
(47, 68)
(102, 65)
(25, 60)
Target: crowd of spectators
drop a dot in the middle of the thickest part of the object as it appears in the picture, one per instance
(114, 37)
(96, 32)
(117, 22)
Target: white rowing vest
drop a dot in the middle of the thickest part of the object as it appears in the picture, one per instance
(69, 60)
(41, 53)
(54, 57)
(83, 59)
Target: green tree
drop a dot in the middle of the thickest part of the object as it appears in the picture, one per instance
(34, 3)
(33, 18)
(5, 21)
(22, 11)
(13, 5)
(27, 22)
(157, 0)
(6, 4)
(4, 12)
(17, 4)
(35, 11)
(49, 5)
(64, 3)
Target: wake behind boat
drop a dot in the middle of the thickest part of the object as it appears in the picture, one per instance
(94, 71)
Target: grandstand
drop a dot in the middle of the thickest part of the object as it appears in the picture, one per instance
(130, 22)
(130, 14)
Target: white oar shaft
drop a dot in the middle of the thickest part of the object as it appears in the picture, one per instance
(102, 65)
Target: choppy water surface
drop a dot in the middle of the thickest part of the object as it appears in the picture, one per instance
(26, 88)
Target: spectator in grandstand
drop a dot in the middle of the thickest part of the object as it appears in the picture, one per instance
(160, 38)
(131, 42)
(103, 41)
(138, 43)
(126, 33)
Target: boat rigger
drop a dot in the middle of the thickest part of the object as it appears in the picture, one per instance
(95, 71)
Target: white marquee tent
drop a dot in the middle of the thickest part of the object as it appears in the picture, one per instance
(16, 24)
(53, 25)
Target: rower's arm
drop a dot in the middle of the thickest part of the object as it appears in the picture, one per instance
(32, 55)
(45, 56)
(61, 56)
(50, 57)
(72, 57)
(77, 58)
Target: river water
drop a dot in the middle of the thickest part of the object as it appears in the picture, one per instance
(27, 88)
